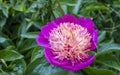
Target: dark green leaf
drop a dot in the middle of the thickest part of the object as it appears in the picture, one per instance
(109, 60)
(64, 73)
(28, 44)
(17, 67)
(41, 67)
(10, 55)
(2, 72)
(107, 48)
(95, 71)
(37, 53)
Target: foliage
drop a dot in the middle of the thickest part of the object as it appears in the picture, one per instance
(20, 22)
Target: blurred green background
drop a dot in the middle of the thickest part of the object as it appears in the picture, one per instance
(20, 22)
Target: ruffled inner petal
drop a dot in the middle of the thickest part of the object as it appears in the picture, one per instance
(41, 40)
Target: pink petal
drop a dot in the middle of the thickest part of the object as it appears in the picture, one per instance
(41, 40)
(47, 28)
(50, 57)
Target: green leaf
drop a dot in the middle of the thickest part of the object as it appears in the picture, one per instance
(41, 67)
(28, 44)
(2, 23)
(10, 55)
(95, 71)
(37, 53)
(5, 41)
(107, 48)
(29, 25)
(31, 35)
(1, 1)
(20, 7)
(64, 73)
(102, 36)
(77, 6)
(31, 8)
(91, 6)
(2, 39)
(67, 3)
(109, 60)
(17, 67)
(5, 11)
(2, 72)
(22, 28)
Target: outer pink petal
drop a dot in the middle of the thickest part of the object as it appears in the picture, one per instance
(47, 28)
(66, 18)
(81, 21)
(87, 23)
(79, 66)
(66, 64)
(94, 39)
(41, 40)
(50, 57)
(70, 18)
(59, 20)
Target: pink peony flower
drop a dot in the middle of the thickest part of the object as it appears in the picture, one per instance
(67, 41)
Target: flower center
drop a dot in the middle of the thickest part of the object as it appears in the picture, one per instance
(70, 41)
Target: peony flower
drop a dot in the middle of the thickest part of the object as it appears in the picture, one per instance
(67, 41)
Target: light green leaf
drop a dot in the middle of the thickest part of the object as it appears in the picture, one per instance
(102, 36)
(20, 7)
(2, 23)
(91, 6)
(77, 6)
(5, 11)
(31, 35)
